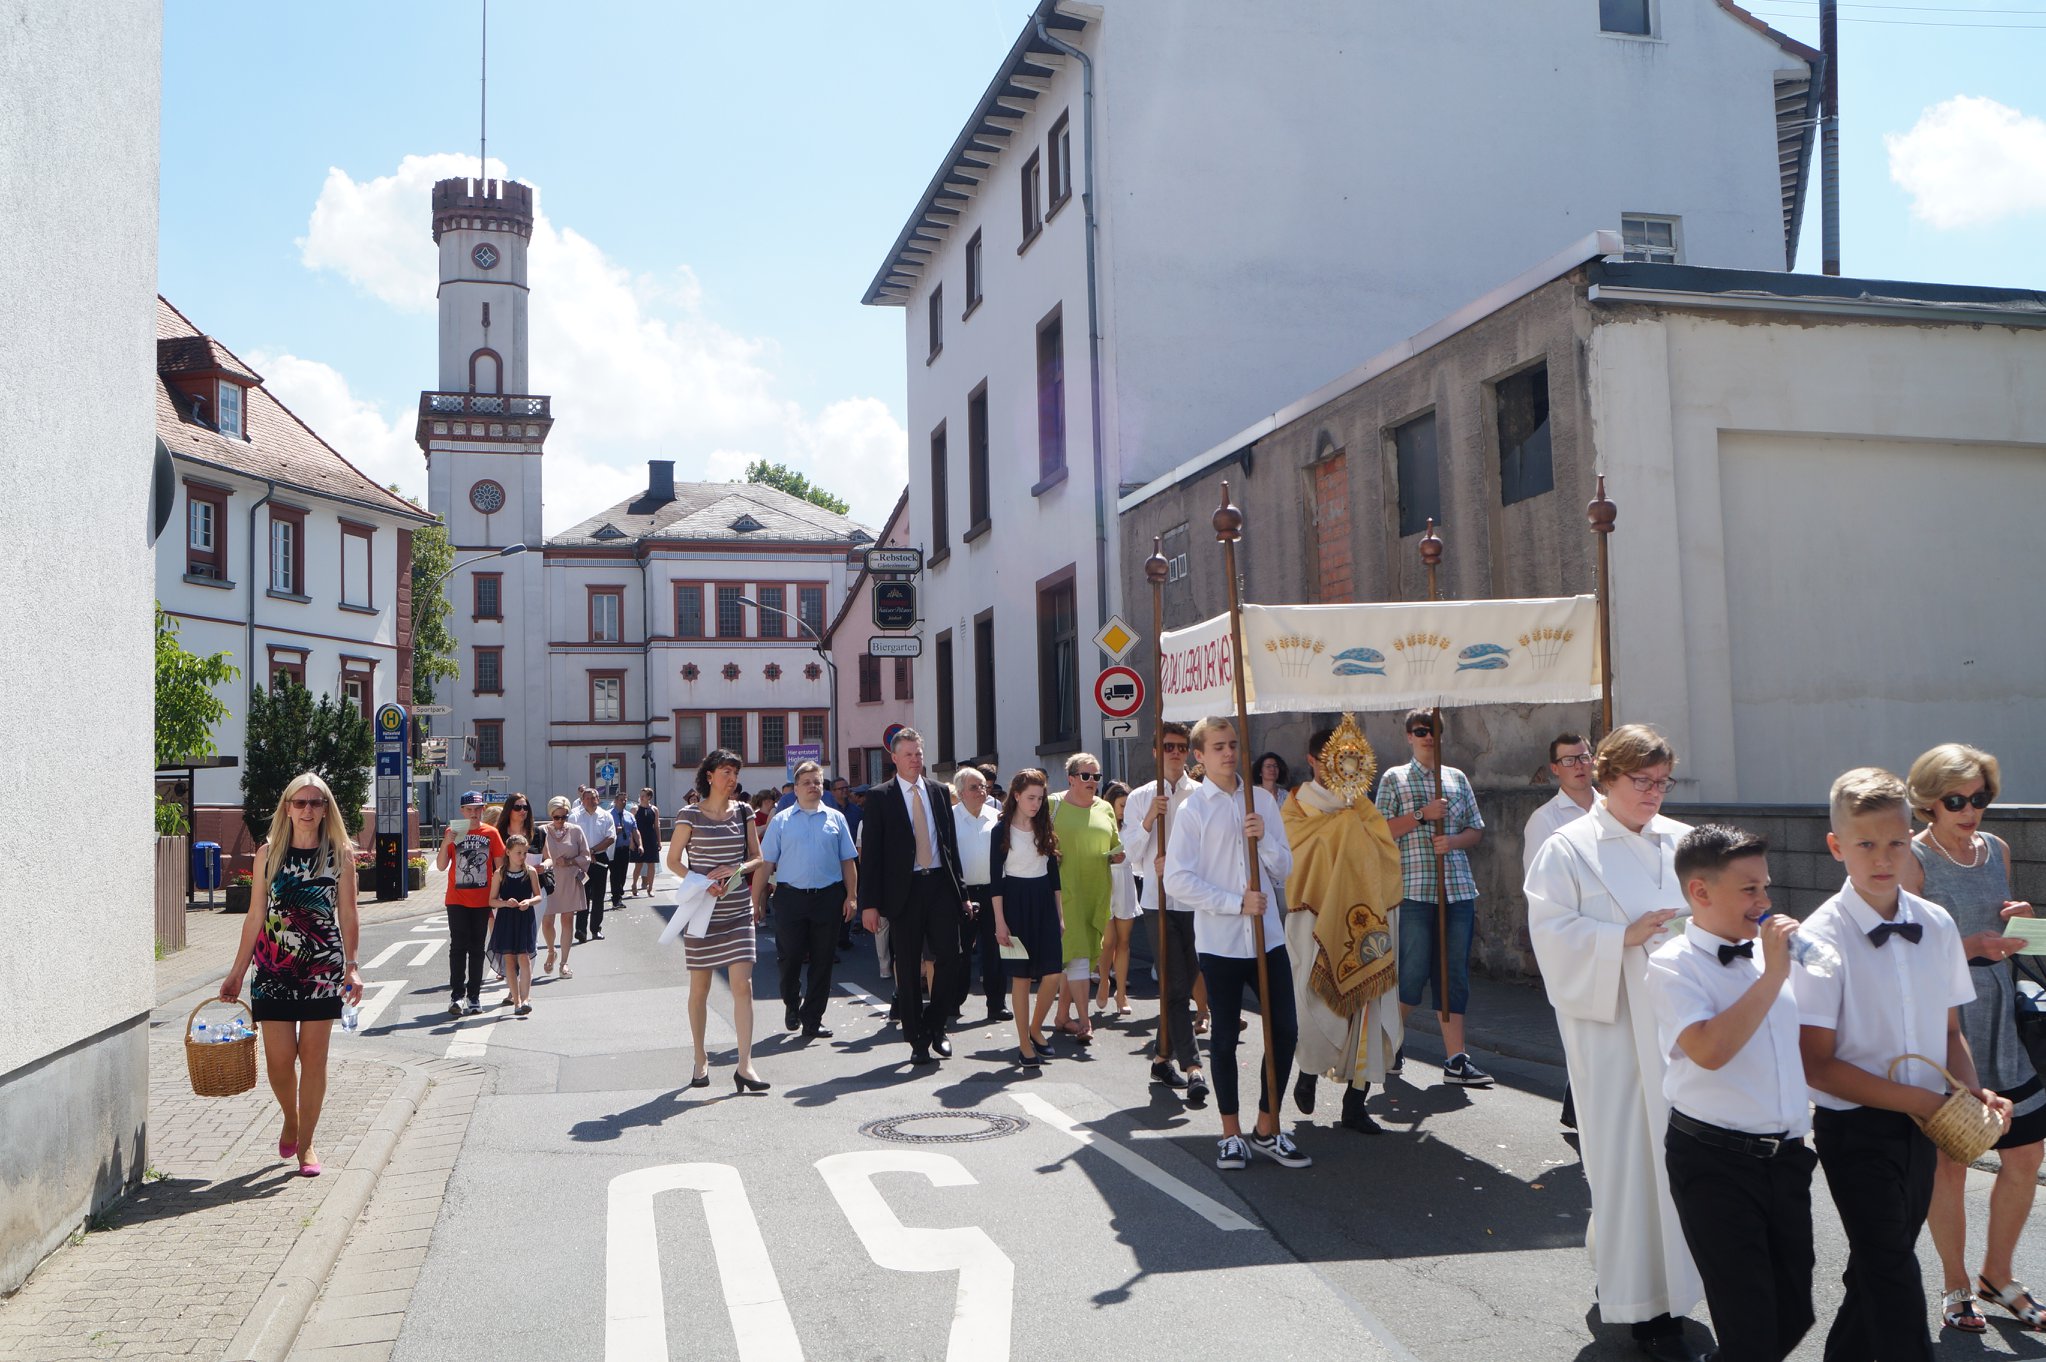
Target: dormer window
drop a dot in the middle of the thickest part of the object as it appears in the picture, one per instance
(746, 524)
(230, 422)
(607, 531)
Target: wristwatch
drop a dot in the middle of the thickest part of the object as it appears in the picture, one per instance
(351, 964)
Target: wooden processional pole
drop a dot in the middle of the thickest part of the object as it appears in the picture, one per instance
(1228, 524)
(1431, 558)
(1602, 514)
(1155, 570)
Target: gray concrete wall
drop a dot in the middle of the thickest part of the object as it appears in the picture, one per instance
(79, 96)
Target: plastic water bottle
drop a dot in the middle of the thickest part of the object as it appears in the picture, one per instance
(351, 1018)
(1815, 956)
(199, 1034)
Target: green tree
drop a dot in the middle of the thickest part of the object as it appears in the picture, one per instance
(290, 733)
(787, 479)
(433, 643)
(186, 706)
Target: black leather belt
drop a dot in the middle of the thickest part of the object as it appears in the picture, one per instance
(1739, 1141)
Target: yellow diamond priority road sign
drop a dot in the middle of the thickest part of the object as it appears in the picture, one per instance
(1116, 638)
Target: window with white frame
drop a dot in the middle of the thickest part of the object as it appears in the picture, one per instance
(230, 422)
(607, 699)
(607, 614)
(284, 556)
(1651, 240)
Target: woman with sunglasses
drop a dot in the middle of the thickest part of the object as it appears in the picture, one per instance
(303, 947)
(1967, 872)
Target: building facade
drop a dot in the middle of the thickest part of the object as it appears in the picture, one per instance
(86, 500)
(877, 693)
(286, 556)
(1784, 453)
(1164, 215)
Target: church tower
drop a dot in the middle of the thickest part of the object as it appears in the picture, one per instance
(483, 433)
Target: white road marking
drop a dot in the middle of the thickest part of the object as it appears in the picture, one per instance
(987, 1279)
(433, 924)
(427, 949)
(470, 1044)
(374, 1003)
(1209, 1209)
(635, 1311)
(869, 999)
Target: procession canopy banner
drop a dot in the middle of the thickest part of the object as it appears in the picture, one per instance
(1327, 658)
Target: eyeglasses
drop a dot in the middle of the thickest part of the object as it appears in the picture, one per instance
(1175, 747)
(1089, 776)
(1581, 759)
(1646, 783)
(316, 802)
(1954, 803)
(1420, 731)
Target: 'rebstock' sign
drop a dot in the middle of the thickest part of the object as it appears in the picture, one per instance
(1197, 670)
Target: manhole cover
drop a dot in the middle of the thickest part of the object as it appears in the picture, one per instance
(943, 1127)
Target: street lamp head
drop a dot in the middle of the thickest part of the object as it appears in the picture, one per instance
(509, 549)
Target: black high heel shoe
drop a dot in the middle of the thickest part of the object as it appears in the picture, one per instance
(701, 1080)
(741, 1083)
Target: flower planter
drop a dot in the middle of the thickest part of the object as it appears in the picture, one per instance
(365, 880)
(415, 879)
(237, 898)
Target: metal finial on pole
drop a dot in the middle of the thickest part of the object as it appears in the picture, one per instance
(1156, 569)
(1431, 558)
(1228, 523)
(1603, 515)
(483, 107)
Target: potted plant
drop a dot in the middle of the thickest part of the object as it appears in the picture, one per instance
(365, 871)
(240, 887)
(415, 874)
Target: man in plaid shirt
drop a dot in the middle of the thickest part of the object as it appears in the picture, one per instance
(1407, 798)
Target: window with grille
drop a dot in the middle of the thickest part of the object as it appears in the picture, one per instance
(774, 740)
(488, 602)
(689, 611)
(810, 609)
(689, 739)
(813, 729)
(490, 742)
(773, 601)
(731, 614)
(489, 671)
(732, 733)
(1650, 240)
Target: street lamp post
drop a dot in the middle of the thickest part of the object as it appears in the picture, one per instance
(830, 669)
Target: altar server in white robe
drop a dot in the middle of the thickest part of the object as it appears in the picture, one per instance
(1599, 896)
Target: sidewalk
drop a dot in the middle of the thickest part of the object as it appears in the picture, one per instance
(1509, 1017)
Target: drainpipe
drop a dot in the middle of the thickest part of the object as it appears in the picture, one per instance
(1057, 44)
(646, 671)
(269, 491)
(1829, 137)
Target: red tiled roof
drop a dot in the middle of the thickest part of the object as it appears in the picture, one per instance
(279, 447)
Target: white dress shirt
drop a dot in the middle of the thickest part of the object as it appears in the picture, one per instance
(913, 793)
(974, 834)
(597, 827)
(1136, 839)
(1888, 1000)
(1204, 869)
(1761, 1089)
(1557, 813)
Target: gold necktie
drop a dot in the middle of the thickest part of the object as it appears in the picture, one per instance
(923, 831)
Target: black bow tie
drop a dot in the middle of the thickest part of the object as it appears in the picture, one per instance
(1910, 931)
(1746, 951)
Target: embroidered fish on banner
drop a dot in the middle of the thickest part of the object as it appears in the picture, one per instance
(1482, 657)
(1360, 662)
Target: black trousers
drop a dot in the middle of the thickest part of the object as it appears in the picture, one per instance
(591, 918)
(1227, 978)
(1748, 1222)
(977, 942)
(468, 931)
(806, 923)
(1175, 1001)
(1879, 1170)
(621, 869)
(929, 920)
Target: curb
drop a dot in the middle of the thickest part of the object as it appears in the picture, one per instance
(272, 1327)
(1423, 1022)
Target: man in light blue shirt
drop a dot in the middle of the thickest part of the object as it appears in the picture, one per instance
(808, 847)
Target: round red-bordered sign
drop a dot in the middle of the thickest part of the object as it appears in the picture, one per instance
(1118, 692)
(890, 734)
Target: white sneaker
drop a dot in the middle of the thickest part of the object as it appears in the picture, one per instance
(1280, 1149)
(1232, 1152)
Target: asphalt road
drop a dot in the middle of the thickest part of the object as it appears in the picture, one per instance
(602, 1208)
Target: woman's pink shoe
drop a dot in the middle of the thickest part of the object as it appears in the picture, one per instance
(309, 1170)
(286, 1148)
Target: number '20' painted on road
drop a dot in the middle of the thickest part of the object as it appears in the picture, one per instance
(635, 1323)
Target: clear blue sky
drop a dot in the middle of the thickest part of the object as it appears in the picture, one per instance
(726, 178)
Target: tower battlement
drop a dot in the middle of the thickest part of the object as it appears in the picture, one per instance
(488, 205)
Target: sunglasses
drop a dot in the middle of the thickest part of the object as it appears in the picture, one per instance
(1420, 731)
(1089, 776)
(1954, 803)
(1175, 747)
(316, 802)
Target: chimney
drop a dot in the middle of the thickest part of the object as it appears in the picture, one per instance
(660, 480)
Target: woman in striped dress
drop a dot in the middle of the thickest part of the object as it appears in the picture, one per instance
(716, 838)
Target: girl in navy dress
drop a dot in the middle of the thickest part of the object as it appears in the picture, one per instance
(514, 930)
(1029, 910)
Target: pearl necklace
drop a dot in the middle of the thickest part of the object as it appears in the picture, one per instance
(1978, 851)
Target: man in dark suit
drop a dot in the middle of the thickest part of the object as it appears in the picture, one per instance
(909, 874)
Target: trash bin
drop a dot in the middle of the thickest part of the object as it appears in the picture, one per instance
(205, 867)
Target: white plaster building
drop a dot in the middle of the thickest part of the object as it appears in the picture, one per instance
(285, 556)
(78, 211)
(642, 637)
(1166, 218)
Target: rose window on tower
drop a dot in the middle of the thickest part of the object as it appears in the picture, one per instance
(487, 496)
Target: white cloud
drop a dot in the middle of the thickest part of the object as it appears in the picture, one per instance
(319, 396)
(1970, 161)
(636, 370)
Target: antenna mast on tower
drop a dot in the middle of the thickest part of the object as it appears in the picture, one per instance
(483, 105)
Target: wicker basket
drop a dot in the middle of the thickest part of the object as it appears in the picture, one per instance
(1964, 1129)
(220, 1068)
